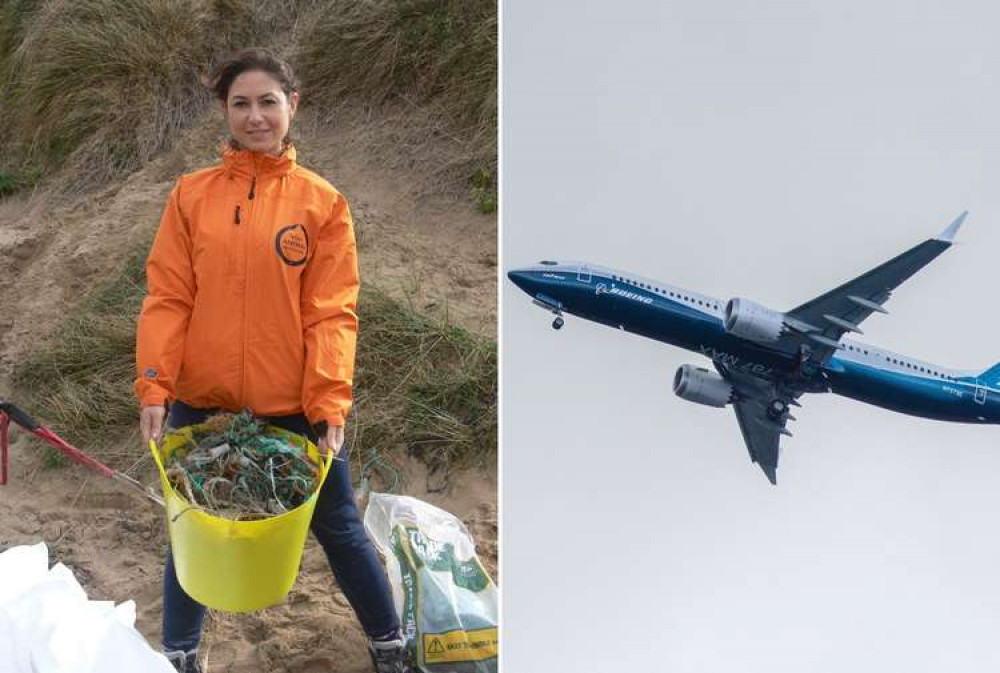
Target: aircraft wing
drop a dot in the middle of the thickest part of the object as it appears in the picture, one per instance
(819, 324)
(761, 430)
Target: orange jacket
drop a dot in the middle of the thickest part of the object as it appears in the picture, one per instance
(253, 282)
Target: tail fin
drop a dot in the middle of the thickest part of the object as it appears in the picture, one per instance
(991, 377)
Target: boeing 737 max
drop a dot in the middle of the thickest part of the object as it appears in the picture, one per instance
(764, 359)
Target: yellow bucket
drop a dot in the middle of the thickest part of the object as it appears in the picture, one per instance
(236, 566)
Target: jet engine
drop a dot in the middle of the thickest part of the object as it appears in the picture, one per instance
(752, 321)
(695, 384)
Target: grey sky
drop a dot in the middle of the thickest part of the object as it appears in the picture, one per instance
(772, 151)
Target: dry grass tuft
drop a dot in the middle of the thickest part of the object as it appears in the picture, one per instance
(102, 86)
(442, 50)
(99, 87)
(424, 385)
(432, 59)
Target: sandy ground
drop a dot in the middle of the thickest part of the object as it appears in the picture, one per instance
(432, 249)
(114, 541)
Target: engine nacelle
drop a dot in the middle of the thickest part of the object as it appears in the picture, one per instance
(695, 384)
(752, 321)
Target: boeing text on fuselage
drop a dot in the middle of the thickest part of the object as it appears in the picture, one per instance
(604, 289)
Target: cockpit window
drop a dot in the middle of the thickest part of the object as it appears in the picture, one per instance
(548, 262)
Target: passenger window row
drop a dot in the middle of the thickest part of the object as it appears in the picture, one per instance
(666, 293)
(904, 363)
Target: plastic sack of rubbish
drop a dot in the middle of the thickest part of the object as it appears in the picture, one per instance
(446, 601)
(47, 625)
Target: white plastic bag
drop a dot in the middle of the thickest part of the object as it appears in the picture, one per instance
(446, 601)
(47, 625)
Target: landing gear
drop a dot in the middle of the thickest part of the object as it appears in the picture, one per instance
(552, 306)
(805, 367)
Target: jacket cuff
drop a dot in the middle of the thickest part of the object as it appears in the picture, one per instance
(151, 394)
(320, 427)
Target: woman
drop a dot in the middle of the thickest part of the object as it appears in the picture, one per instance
(253, 282)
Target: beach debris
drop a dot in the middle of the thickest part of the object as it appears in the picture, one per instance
(234, 467)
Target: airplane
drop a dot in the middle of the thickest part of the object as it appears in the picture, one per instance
(764, 359)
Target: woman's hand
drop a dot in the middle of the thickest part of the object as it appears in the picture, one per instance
(151, 422)
(333, 440)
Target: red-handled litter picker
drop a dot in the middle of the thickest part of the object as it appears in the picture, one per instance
(9, 412)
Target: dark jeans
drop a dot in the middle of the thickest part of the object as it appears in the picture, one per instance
(336, 525)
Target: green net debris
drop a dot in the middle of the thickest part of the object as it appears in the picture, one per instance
(235, 468)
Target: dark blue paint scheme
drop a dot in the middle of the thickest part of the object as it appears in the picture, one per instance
(645, 308)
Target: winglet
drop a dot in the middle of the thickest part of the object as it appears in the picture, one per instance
(948, 235)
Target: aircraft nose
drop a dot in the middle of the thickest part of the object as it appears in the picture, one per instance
(521, 278)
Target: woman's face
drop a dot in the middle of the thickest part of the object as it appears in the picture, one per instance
(259, 112)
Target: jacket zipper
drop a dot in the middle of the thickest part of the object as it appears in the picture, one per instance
(247, 245)
(250, 195)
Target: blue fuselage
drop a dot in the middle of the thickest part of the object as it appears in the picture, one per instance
(695, 322)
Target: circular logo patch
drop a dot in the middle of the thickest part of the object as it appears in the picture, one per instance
(292, 244)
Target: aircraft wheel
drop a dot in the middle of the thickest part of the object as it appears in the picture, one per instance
(558, 323)
(776, 409)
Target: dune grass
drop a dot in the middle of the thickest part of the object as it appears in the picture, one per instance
(436, 54)
(16, 181)
(421, 385)
(13, 15)
(102, 86)
(442, 50)
(78, 379)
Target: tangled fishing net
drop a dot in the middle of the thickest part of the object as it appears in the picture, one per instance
(235, 468)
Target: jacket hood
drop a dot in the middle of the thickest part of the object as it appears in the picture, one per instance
(247, 163)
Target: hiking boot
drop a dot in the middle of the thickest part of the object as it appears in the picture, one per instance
(184, 662)
(390, 656)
